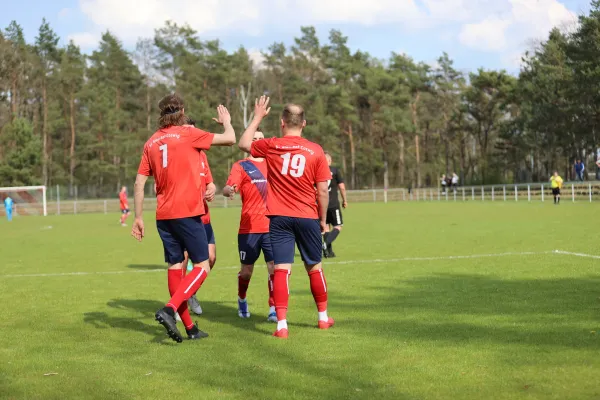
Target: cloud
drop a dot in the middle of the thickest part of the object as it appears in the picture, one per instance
(85, 40)
(361, 11)
(258, 59)
(498, 26)
(513, 29)
(133, 19)
(65, 13)
(488, 35)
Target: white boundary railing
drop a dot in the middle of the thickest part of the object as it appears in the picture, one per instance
(573, 192)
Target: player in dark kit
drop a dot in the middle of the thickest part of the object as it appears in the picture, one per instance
(334, 214)
(172, 156)
(297, 214)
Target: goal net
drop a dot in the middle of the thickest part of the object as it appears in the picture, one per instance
(27, 200)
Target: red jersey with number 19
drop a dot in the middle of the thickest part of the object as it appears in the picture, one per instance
(250, 177)
(295, 165)
(171, 155)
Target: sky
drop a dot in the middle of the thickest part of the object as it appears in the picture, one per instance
(492, 34)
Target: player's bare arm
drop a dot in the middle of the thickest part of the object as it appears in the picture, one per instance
(227, 138)
(229, 191)
(137, 231)
(261, 110)
(323, 200)
(211, 190)
(343, 193)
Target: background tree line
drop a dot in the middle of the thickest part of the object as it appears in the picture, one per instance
(77, 120)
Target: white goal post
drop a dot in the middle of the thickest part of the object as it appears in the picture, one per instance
(28, 200)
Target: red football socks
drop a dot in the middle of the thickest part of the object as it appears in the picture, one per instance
(242, 287)
(281, 292)
(270, 282)
(318, 287)
(175, 277)
(188, 286)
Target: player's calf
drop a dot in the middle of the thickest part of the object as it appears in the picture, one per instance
(244, 277)
(318, 287)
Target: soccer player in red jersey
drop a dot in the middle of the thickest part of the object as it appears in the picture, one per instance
(124, 205)
(297, 214)
(249, 178)
(172, 156)
(209, 195)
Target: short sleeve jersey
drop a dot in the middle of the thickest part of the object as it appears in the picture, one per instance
(172, 156)
(123, 200)
(294, 165)
(556, 182)
(336, 179)
(207, 176)
(251, 180)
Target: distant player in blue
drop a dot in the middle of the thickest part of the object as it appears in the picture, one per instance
(8, 207)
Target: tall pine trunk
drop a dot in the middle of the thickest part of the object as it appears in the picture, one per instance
(45, 134)
(72, 150)
(415, 123)
(148, 107)
(418, 157)
(14, 100)
(352, 156)
(401, 158)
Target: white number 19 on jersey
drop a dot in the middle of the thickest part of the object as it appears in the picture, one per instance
(295, 166)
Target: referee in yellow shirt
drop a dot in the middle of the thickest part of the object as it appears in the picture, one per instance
(556, 183)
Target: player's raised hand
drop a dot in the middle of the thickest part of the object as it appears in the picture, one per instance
(223, 116)
(261, 107)
(137, 231)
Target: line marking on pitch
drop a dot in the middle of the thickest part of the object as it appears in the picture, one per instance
(569, 253)
(326, 263)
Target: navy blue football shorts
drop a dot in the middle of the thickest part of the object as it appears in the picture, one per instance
(182, 234)
(286, 232)
(250, 246)
(210, 234)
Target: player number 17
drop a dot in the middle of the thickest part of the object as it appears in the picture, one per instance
(295, 165)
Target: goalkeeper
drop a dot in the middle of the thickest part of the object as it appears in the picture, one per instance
(8, 207)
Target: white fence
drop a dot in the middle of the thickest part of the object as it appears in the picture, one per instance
(573, 192)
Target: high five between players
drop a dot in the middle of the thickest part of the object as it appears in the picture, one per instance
(172, 156)
(295, 167)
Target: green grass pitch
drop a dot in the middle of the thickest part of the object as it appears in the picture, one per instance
(414, 324)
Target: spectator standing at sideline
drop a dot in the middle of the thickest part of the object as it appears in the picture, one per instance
(579, 168)
(454, 181)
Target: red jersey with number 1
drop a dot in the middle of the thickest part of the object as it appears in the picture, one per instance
(295, 165)
(172, 156)
(251, 180)
(208, 178)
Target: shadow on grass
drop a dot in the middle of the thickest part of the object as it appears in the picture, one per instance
(150, 267)
(102, 320)
(213, 311)
(458, 308)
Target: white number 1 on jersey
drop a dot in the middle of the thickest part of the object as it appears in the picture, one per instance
(295, 167)
(164, 150)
